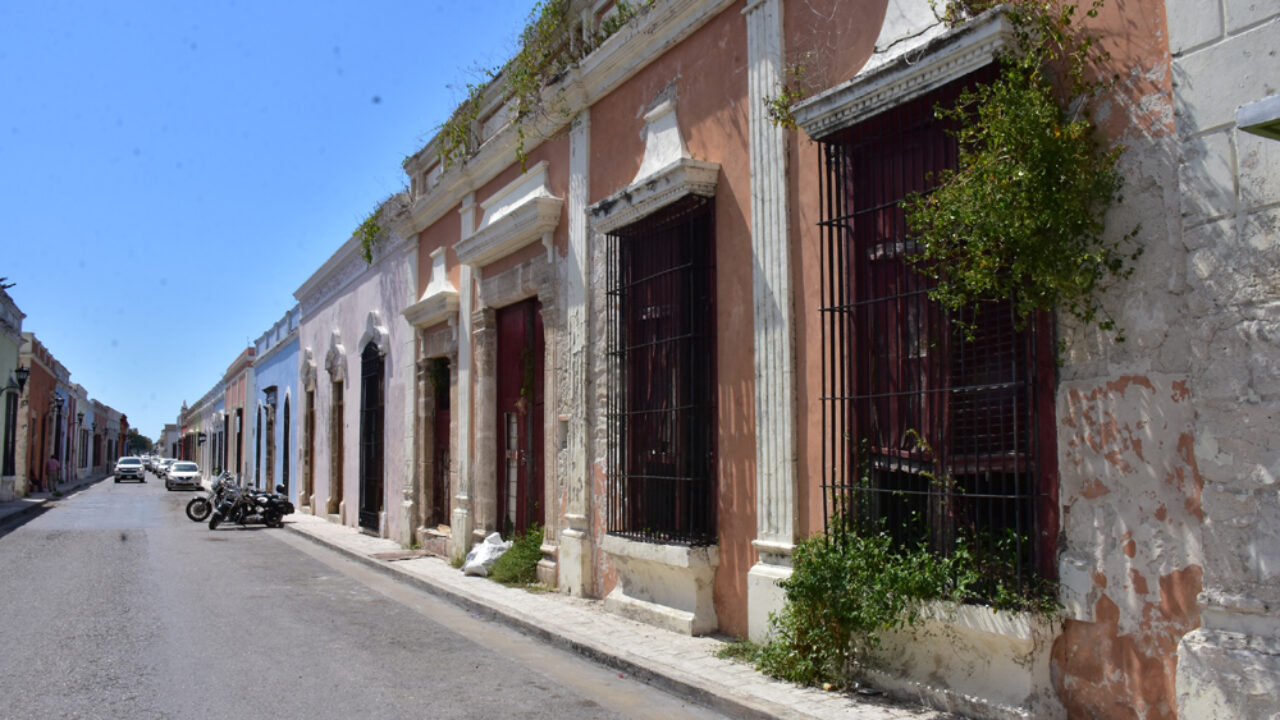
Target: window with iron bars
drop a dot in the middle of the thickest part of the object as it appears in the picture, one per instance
(661, 349)
(933, 434)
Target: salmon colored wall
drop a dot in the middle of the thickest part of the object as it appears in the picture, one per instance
(708, 75)
(444, 232)
(1122, 661)
(828, 41)
(806, 273)
(518, 257)
(831, 42)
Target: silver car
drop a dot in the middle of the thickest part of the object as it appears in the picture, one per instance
(182, 474)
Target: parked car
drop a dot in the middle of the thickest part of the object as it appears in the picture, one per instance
(162, 467)
(130, 468)
(182, 474)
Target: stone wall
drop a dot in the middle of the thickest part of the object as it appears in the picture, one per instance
(1224, 56)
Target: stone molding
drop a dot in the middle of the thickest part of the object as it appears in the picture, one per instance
(635, 202)
(335, 360)
(906, 72)
(521, 213)
(375, 331)
(433, 310)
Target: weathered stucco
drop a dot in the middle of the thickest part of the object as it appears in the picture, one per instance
(1224, 56)
(1132, 562)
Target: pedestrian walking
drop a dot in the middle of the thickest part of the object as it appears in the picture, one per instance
(52, 468)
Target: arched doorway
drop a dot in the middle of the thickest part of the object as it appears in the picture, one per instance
(372, 383)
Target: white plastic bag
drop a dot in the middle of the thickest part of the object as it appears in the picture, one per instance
(483, 555)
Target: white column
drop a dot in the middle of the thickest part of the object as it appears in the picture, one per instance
(409, 369)
(771, 294)
(462, 518)
(575, 538)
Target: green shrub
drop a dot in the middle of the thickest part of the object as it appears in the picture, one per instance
(1022, 214)
(844, 591)
(519, 565)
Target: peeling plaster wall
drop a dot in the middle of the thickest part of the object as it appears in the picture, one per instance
(1131, 568)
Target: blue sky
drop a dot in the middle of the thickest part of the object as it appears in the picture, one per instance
(171, 172)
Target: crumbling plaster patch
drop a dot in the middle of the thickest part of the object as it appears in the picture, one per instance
(1132, 558)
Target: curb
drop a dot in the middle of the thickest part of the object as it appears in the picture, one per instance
(23, 507)
(714, 698)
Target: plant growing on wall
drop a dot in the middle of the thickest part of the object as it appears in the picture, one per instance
(549, 45)
(368, 231)
(1021, 215)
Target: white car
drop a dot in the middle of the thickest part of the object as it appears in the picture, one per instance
(182, 474)
(130, 468)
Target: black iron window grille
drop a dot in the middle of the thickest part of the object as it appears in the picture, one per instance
(661, 379)
(932, 434)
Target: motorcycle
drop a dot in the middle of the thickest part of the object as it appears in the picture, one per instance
(246, 505)
(200, 506)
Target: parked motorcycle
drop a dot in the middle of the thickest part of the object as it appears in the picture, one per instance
(200, 506)
(246, 505)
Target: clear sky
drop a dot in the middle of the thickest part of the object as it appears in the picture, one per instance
(170, 172)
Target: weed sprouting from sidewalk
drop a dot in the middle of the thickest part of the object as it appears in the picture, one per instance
(519, 565)
(740, 651)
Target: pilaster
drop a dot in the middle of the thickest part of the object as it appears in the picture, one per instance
(463, 519)
(575, 537)
(771, 294)
(484, 468)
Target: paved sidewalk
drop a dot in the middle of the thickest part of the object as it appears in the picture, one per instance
(685, 666)
(37, 500)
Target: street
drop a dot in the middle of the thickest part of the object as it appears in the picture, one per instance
(117, 606)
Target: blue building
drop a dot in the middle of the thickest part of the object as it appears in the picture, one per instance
(272, 460)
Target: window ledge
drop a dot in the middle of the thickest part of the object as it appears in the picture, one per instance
(1015, 625)
(669, 586)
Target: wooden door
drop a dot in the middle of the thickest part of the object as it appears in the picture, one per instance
(519, 416)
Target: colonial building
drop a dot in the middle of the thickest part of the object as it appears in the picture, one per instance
(275, 423)
(10, 392)
(235, 430)
(355, 374)
(42, 416)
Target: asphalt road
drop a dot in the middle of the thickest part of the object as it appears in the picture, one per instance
(114, 605)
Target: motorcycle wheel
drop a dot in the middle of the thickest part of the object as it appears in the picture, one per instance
(198, 509)
(273, 520)
(214, 520)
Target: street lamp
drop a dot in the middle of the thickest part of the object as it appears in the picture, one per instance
(21, 374)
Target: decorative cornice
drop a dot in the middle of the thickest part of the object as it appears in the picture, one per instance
(346, 264)
(683, 177)
(432, 310)
(519, 214)
(907, 72)
(621, 56)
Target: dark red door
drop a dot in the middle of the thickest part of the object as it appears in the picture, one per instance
(440, 470)
(519, 416)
